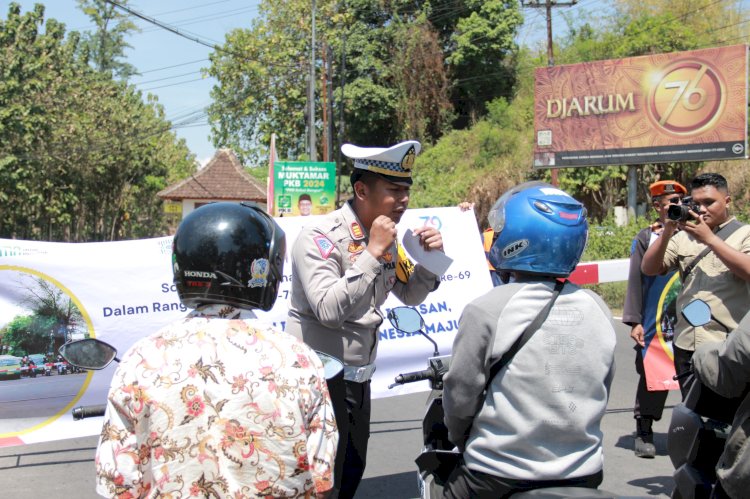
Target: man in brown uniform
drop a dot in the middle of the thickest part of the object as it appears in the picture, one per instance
(721, 277)
(343, 269)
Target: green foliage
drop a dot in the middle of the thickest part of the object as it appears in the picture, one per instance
(29, 334)
(609, 241)
(82, 156)
(649, 34)
(106, 46)
(408, 69)
(613, 294)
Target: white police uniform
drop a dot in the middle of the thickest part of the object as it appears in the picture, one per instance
(337, 291)
(338, 287)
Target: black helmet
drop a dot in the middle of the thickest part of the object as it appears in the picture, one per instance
(230, 254)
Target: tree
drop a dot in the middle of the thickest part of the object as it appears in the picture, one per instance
(408, 69)
(106, 46)
(480, 36)
(82, 156)
(28, 334)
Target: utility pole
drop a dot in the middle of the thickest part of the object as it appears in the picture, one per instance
(547, 5)
(329, 94)
(324, 100)
(311, 92)
(339, 158)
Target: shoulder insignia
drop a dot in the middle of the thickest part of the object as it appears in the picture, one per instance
(356, 247)
(357, 232)
(325, 246)
(387, 257)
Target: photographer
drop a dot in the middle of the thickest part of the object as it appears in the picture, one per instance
(712, 253)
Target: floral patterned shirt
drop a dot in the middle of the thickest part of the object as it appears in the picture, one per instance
(217, 405)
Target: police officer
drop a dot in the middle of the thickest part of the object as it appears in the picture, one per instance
(343, 269)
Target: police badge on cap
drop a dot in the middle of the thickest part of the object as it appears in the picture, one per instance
(394, 163)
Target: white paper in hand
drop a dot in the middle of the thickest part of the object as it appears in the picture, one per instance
(435, 261)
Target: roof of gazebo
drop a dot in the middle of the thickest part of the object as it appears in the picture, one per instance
(222, 178)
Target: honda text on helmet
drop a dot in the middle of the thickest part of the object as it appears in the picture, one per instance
(228, 253)
(542, 230)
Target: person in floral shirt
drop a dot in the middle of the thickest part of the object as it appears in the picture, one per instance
(220, 404)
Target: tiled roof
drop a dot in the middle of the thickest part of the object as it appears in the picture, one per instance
(222, 178)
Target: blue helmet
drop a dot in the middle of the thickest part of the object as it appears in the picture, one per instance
(539, 230)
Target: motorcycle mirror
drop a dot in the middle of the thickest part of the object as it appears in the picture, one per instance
(406, 319)
(409, 320)
(89, 353)
(697, 313)
(332, 366)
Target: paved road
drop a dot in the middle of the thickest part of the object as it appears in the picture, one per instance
(26, 402)
(65, 468)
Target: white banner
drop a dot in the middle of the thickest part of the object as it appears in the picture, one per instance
(123, 291)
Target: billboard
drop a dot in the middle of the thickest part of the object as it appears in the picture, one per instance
(682, 106)
(303, 188)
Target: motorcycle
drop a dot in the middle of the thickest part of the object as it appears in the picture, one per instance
(699, 426)
(62, 366)
(28, 368)
(439, 457)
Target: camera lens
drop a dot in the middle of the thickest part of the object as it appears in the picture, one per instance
(678, 212)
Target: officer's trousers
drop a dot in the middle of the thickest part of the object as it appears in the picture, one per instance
(351, 405)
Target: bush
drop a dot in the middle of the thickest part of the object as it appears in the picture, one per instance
(607, 241)
(613, 294)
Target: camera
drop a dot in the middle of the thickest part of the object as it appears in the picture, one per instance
(681, 212)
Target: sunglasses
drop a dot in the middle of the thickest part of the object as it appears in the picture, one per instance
(675, 200)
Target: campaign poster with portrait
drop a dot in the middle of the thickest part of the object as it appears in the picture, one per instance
(304, 188)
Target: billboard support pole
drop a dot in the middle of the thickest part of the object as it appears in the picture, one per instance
(632, 193)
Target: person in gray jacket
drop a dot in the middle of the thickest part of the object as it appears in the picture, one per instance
(724, 367)
(343, 268)
(537, 424)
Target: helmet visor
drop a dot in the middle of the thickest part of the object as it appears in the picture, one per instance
(496, 216)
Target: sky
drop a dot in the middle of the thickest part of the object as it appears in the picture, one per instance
(170, 65)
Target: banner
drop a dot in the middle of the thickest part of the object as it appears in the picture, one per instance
(682, 106)
(659, 318)
(122, 291)
(304, 188)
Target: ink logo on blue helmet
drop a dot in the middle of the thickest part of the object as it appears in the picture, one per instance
(515, 248)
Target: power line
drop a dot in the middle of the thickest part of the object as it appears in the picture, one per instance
(162, 25)
(166, 78)
(165, 13)
(174, 66)
(172, 84)
(200, 6)
(211, 17)
(183, 34)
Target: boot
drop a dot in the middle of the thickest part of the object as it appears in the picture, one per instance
(644, 438)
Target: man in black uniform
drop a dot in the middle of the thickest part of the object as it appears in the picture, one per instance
(642, 291)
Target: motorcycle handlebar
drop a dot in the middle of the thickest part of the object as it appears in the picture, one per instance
(88, 411)
(414, 376)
